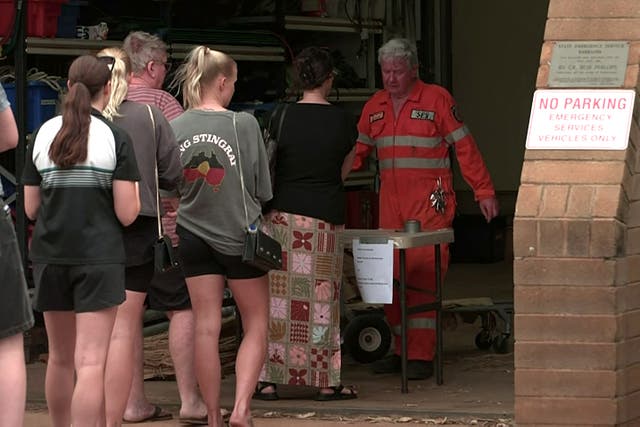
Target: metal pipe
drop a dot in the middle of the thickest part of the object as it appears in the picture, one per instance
(403, 322)
(21, 120)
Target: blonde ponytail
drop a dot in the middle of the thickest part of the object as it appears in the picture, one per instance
(201, 66)
(119, 85)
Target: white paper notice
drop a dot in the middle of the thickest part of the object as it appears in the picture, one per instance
(373, 263)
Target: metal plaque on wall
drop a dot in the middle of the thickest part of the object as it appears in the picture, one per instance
(587, 64)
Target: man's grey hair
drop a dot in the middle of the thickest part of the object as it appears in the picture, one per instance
(399, 49)
(142, 48)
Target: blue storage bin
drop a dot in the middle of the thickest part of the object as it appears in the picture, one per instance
(68, 19)
(41, 102)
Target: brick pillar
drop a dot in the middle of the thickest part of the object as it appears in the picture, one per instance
(577, 256)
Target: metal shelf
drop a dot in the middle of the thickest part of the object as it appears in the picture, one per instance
(66, 47)
(76, 47)
(351, 95)
(342, 94)
(360, 178)
(238, 53)
(312, 23)
(309, 23)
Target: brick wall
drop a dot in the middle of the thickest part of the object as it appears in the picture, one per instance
(577, 255)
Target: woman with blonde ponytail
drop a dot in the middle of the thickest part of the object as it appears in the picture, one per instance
(80, 185)
(217, 148)
(154, 144)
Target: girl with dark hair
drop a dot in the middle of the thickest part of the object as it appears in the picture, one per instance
(80, 183)
(315, 153)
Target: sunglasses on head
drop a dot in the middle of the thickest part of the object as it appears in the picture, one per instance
(110, 61)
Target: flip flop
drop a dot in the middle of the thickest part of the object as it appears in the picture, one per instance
(194, 421)
(261, 395)
(158, 414)
(337, 394)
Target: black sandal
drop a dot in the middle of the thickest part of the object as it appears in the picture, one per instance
(338, 394)
(261, 395)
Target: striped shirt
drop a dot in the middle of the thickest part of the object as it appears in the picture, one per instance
(76, 221)
(161, 99)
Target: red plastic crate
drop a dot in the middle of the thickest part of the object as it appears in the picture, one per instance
(42, 17)
(7, 19)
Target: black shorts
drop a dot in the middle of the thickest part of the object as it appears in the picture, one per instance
(165, 291)
(199, 259)
(79, 288)
(138, 240)
(15, 308)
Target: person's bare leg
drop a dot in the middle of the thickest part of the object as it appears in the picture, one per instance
(138, 407)
(206, 298)
(252, 299)
(119, 369)
(13, 383)
(59, 379)
(92, 345)
(182, 349)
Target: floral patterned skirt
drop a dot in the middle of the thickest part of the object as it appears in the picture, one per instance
(304, 324)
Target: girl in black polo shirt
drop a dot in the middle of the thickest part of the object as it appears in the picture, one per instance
(80, 185)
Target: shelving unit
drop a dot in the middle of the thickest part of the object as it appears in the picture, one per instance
(366, 30)
(311, 23)
(239, 53)
(75, 47)
(65, 47)
(360, 179)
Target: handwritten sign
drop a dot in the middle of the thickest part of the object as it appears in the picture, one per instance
(373, 264)
(580, 119)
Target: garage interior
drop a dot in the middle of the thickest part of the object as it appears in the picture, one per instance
(486, 53)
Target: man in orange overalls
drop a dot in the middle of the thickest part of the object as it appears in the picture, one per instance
(412, 126)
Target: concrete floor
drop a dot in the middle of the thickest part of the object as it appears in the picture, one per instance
(477, 389)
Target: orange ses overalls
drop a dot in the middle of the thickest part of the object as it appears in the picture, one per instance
(413, 155)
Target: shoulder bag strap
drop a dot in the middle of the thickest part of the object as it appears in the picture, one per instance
(155, 167)
(242, 187)
(282, 114)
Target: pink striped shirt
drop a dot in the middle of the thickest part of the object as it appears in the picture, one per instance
(169, 106)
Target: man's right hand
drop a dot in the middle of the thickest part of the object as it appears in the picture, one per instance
(489, 208)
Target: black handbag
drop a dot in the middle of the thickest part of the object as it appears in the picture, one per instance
(260, 250)
(164, 257)
(271, 135)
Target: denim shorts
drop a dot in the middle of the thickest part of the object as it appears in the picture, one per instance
(15, 307)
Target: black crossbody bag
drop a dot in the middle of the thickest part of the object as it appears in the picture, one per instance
(260, 250)
(164, 257)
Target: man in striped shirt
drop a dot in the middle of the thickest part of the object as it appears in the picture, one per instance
(168, 292)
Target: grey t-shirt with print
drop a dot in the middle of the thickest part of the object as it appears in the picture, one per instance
(211, 204)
